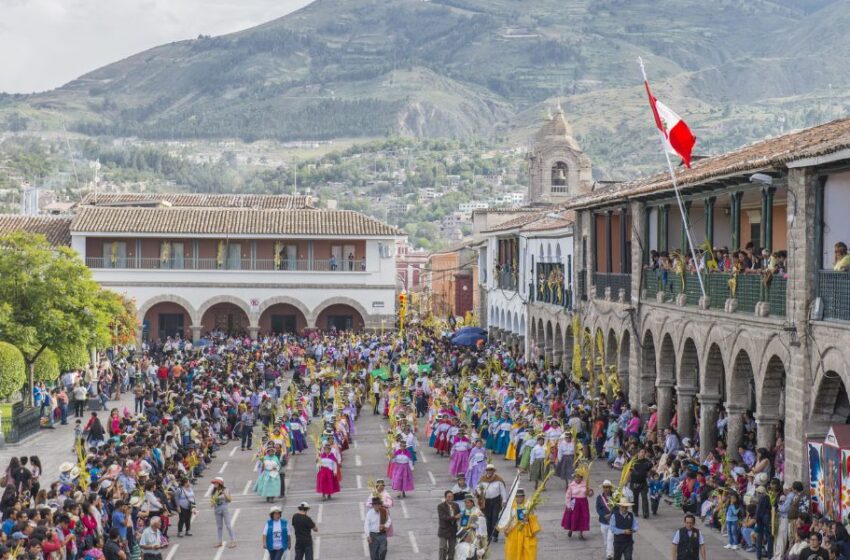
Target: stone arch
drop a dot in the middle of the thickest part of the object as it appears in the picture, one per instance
(714, 373)
(522, 326)
(569, 343)
(549, 335)
(275, 300)
(830, 404)
(340, 300)
(667, 360)
(240, 303)
(169, 298)
(623, 362)
(688, 365)
(540, 339)
(648, 371)
(770, 401)
(558, 252)
(294, 315)
(741, 384)
(558, 346)
(611, 348)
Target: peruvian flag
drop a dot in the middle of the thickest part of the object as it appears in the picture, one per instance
(679, 138)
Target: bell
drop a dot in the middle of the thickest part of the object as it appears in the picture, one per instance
(561, 175)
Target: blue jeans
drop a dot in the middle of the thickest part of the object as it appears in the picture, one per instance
(247, 437)
(276, 554)
(748, 534)
(732, 529)
(764, 543)
(63, 411)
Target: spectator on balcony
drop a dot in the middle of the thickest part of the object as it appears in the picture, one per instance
(842, 259)
(332, 262)
(752, 256)
(350, 261)
(741, 261)
(654, 260)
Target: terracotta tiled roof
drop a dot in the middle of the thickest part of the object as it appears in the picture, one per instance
(546, 223)
(772, 153)
(278, 202)
(228, 221)
(519, 221)
(505, 210)
(55, 228)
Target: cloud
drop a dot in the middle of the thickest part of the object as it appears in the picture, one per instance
(46, 43)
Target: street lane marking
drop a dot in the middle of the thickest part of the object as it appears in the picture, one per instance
(321, 511)
(355, 445)
(387, 445)
(234, 518)
(208, 493)
(232, 451)
(359, 482)
(223, 466)
(424, 457)
(357, 461)
(362, 511)
(291, 464)
(220, 551)
(404, 510)
(413, 544)
(365, 546)
(245, 491)
(431, 476)
(318, 548)
(172, 552)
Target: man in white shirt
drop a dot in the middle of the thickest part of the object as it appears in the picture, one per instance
(375, 526)
(151, 541)
(495, 494)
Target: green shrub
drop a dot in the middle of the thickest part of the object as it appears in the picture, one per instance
(76, 357)
(47, 366)
(12, 370)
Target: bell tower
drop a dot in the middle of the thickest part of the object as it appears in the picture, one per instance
(558, 169)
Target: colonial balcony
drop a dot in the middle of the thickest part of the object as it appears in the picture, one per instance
(561, 296)
(281, 265)
(751, 290)
(613, 283)
(506, 280)
(834, 291)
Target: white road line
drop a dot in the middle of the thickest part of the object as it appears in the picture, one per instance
(387, 445)
(232, 451)
(413, 544)
(291, 464)
(362, 511)
(321, 511)
(219, 552)
(223, 466)
(365, 547)
(245, 490)
(355, 445)
(318, 542)
(359, 482)
(266, 555)
(208, 493)
(172, 552)
(431, 476)
(358, 462)
(424, 457)
(404, 510)
(234, 518)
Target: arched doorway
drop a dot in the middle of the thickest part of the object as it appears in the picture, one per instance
(166, 319)
(623, 363)
(770, 404)
(648, 373)
(282, 318)
(687, 387)
(713, 386)
(340, 317)
(225, 317)
(739, 401)
(558, 347)
(831, 403)
(666, 381)
(569, 343)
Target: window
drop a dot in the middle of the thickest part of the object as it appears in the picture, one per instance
(234, 256)
(559, 177)
(115, 254)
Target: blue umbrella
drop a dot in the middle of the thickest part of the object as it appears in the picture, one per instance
(474, 330)
(468, 339)
(202, 342)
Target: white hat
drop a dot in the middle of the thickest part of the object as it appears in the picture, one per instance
(606, 483)
(135, 501)
(686, 441)
(490, 466)
(217, 480)
(275, 509)
(303, 505)
(66, 466)
(625, 503)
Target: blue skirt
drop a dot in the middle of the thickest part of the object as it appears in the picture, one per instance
(502, 442)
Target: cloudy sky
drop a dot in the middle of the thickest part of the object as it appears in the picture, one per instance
(46, 43)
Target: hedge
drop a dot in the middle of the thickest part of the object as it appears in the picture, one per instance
(46, 366)
(77, 357)
(12, 370)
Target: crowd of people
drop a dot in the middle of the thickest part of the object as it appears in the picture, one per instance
(483, 410)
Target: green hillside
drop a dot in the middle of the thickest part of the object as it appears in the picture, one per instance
(737, 69)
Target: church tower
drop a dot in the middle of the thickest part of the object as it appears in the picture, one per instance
(558, 169)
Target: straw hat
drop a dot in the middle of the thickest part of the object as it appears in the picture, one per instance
(217, 480)
(66, 466)
(607, 484)
(136, 501)
(490, 467)
(624, 503)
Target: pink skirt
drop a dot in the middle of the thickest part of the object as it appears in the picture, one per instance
(402, 478)
(578, 518)
(326, 482)
(459, 463)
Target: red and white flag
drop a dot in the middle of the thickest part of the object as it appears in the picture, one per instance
(679, 138)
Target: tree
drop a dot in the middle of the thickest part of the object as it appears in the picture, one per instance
(46, 367)
(12, 370)
(75, 357)
(51, 298)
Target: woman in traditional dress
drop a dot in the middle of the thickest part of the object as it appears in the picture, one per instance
(402, 472)
(503, 436)
(577, 513)
(521, 532)
(268, 484)
(525, 451)
(296, 434)
(327, 483)
(460, 454)
(477, 464)
(566, 457)
(441, 444)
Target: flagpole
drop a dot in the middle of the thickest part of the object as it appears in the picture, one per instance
(685, 221)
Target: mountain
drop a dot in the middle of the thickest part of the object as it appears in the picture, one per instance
(738, 70)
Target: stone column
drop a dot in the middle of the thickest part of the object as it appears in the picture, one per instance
(664, 396)
(547, 355)
(196, 331)
(734, 429)
(707, 423)
(766, 431)
(253, 331)
(685, 408)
